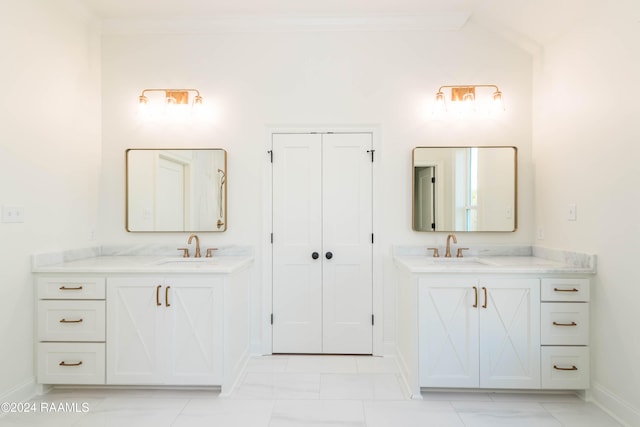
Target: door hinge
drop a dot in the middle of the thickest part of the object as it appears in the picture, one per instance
(371, 237)
(372, 152)
(433, 179)
(373, 321)
(433, 225)
(272, 318)
(272, 238)
(270, 153)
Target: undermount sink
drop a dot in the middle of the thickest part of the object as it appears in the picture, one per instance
(186, 261)
(472, 261)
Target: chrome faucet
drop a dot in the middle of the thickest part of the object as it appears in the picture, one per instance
(197, 255)
(448, 251)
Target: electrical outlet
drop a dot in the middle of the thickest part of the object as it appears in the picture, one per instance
(12, 213)
(571, 212)
(540, 233)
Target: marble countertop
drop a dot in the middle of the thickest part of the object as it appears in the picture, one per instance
(149, 264)
(140, 259)
(498, 259)
(489, 264)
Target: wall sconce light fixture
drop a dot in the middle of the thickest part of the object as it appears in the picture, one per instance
(173, 96)
(465, 95)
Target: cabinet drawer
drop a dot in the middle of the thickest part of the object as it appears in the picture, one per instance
(71, 363)
(71, 320)
(565, 368)
(71, 287)
(564, 323)
(565, 290)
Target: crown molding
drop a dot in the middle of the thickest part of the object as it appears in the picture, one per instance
(248, 24)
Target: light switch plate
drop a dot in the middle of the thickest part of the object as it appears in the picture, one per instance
(571, 212)
(12, 213)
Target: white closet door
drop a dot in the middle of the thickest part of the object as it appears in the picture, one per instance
(297, 230)
(347, 227)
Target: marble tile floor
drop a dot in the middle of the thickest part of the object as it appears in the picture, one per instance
(301, 391)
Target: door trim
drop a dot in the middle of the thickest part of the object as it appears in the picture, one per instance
(264, 344)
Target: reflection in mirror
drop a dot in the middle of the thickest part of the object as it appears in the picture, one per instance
(464, 188)
(176, 190)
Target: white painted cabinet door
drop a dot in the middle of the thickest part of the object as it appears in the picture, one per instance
(347, 227)
(448, 327)
(134, 331)
(297, 230)
(322, 203)
(510, 333)
(193, 331)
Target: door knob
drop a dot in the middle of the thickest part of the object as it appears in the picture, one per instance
(328, 255)
(315, 255)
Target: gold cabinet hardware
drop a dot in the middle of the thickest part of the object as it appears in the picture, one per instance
(572, 368)
(209, 254)
(475, 304)
(565, 324)
(71, 321)
(185, 252)
(64, 288)
(459, 254)
(565, 290)
(166, 296)
(63, 363)
(436, 254)
(484, 290)
(158, 295)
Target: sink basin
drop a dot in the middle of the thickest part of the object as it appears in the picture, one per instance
(186, 262)
(459, 262)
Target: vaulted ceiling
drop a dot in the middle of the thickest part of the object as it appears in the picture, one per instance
(533, 22)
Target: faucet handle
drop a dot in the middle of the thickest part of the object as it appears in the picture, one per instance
(459, 254)
(209, 254)
(185, 252)
(436, 254)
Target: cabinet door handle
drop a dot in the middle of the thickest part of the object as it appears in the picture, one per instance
(565, 324)
(565, 290)
(158, 295)
(315, 255)
(328, 255)
(64, 288)
(71, 321)
(63, 363)
(166, 296)
(475, 304)
(572, 368)
(484, 290)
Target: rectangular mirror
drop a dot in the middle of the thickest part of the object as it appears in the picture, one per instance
(464, 189)
(176, 190)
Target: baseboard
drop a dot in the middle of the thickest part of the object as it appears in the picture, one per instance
(615, 406)
(21, 393)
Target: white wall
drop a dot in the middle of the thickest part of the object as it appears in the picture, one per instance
(587, 151)
(331, 78)
(49, 156)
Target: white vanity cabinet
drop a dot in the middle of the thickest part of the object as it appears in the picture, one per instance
(165, 330)
(565, 333)
(479, 332)
(71, 330)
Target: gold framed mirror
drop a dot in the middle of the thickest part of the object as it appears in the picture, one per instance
(176, 190)
(464, 189)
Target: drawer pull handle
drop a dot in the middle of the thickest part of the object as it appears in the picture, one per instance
(64, 288)
(158, 295)
(166, 296)
(565, 324)
(475, 304)
(63, 363)
(566, 290)
(572, 368)
(71, 321)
